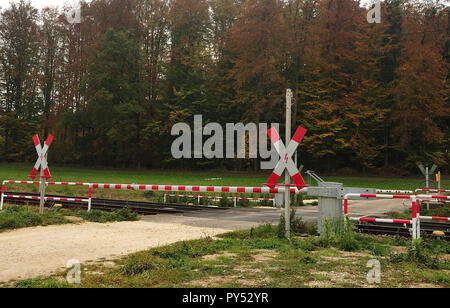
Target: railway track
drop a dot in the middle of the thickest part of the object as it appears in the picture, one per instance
(377, 228)
(141, 207)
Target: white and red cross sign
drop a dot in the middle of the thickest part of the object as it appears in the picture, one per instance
(41, 161)
(286, 157)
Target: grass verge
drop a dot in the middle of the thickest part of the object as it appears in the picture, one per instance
(259, 257)
(16, 217)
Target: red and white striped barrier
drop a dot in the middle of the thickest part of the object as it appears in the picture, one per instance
(3, 195)
(216, 189)
(388, 191)
(435, 218)
(386, 220)
(50, 183)
(433, 190)
(416, 217)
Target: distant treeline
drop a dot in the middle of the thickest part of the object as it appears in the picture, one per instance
(111, 87)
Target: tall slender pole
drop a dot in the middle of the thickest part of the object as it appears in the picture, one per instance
(427, 182)
(287, 179)
(439, 180)
(42, 190)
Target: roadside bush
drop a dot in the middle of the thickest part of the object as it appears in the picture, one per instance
(420, 254)
(14, 217)
(139, 263)
(345, 240)
(124, 214)
(298, 226)
(307, 244)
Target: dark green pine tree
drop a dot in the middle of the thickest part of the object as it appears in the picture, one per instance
(114, 89)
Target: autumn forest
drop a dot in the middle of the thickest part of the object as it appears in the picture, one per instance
(372, 95)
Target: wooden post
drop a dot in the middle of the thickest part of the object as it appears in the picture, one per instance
(287, 178)
(42, 190)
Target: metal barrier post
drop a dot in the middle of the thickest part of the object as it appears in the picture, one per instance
(90, 199)
(414, 218)
(3, 192)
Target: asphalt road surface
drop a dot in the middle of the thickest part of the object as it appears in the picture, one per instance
(243, 218)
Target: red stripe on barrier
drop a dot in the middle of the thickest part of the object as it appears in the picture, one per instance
(401, 197)
(273, 179)
(129, 186)
(65, 183)
(241, 189)
(50, 198)
(78, 200)
(34, 197)
(195, 188)
(225, 189)
(396, 221)
(95, 186)
(36, 140)
(167, 187)
(257, 190)
(79, 184)
(49, 140)
(46, 173)
(33, 173)
(118, 186)
(439, 197)
(142, 187)
(182, 188)
(440, 218)
(367, 196)
(299, 134)
(368, 219)
(210, 188)
(298, 180)
(345, 206)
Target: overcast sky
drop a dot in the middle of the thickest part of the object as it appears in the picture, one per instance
(59, 3)
(40, 3)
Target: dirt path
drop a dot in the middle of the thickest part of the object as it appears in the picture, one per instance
(41, 251)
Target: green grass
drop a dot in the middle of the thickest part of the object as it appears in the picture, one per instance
(16, 217)
(102, 216)
(439, 210)
(259, 258)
